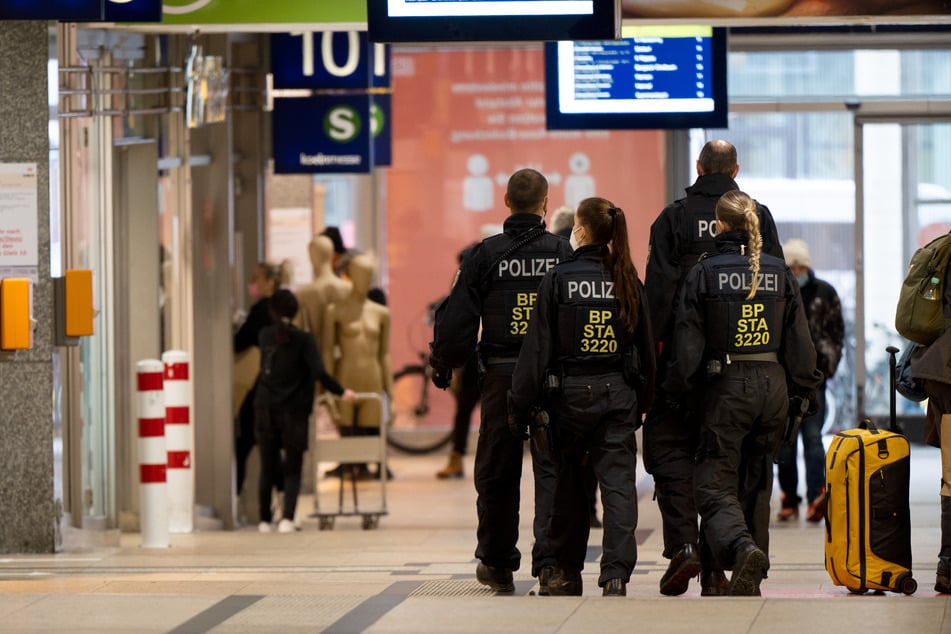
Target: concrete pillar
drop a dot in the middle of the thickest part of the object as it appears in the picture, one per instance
(26, 381)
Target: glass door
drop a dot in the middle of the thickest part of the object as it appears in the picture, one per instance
(904, 202)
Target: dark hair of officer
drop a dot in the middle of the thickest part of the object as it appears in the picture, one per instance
(284, 308)
(605, 224)
(717, 157)
(737, 211)
(526, 192)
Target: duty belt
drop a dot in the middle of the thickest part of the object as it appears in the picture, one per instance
(489, 361)
(771, 357)
(590, 369)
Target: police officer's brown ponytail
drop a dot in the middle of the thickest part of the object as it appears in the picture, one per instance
(737, 210)
(606, 225)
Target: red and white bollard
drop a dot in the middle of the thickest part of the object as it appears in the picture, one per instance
(178, 435)
(153, 492)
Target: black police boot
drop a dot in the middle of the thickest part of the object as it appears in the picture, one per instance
(684, 565)
(713, 583)
(615, 588)
(942, 582)
(499, 579)
(544, 576)
(749, 570)
(564, 584)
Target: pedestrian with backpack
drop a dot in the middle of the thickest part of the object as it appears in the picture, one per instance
(931, 365)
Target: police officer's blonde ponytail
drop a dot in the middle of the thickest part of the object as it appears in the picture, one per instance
(756, 244)
(737, 210)
(605, 224)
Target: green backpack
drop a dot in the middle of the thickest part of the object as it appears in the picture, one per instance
(920, 313)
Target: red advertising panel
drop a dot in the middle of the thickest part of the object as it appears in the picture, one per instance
(782, 8)
(464, 121)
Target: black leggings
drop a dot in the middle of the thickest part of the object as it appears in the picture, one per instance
(244, 443)
(291, 467)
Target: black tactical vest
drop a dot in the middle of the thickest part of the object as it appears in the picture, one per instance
(590, 332)
(734, 324)
(511, 288)
(698, 229)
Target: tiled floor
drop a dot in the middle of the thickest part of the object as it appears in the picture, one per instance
(415, 573)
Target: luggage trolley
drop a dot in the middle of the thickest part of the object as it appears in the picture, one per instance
(345, 450)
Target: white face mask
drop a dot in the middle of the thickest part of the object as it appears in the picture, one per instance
(573, 241)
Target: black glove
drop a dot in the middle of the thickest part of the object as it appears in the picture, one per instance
(519, 423)
(442, 377)
(805, 395)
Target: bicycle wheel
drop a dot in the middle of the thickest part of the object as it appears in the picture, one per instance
(422, 416)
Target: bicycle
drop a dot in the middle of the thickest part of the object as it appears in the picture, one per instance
(422, 415)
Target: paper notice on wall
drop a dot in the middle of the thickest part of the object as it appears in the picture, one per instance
(19, 214)
(289, 231)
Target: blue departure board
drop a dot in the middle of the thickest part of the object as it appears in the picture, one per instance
(654, 77)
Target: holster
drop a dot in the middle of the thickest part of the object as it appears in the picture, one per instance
(798, 407)
(631, 368)
(542, 434)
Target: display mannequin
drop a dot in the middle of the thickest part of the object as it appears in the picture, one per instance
(326, 288)
(355, 342)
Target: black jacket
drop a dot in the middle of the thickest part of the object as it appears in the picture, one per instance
(538, 349)
(671, 250)
(687, 359)
(824, 314)
(457, 321)
(259, 317)
(289, 372)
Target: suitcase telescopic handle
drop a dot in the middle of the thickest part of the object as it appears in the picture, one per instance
(892, 371)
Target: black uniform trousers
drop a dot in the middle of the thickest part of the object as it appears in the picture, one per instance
(670, 446)
(466, 400)
(595, 414)
(498, 472)
(745, 410)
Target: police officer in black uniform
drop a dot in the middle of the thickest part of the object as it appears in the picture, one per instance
(740, 337)
(683, 232)
(497, 283)
(589, 343)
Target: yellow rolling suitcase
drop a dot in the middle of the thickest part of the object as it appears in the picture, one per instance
(868, 521)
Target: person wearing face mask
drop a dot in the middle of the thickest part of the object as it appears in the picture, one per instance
(496, 286)
(824, 314)
(265, 281)
(590, 336)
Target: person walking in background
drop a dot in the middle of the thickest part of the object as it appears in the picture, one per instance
(931, 365)
(465, 389)
(283, 401)
(680, 235)
(590, 333)
(824, 314)
(741, 338)
(563, 221)
(265, 281)
(496, 286)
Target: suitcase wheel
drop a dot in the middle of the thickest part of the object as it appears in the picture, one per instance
(858, 590)
(906, 584)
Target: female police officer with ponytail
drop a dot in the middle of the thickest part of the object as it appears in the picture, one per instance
(740, 337)
(587, 359)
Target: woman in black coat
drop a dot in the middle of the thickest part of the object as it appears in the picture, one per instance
(290, 367)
